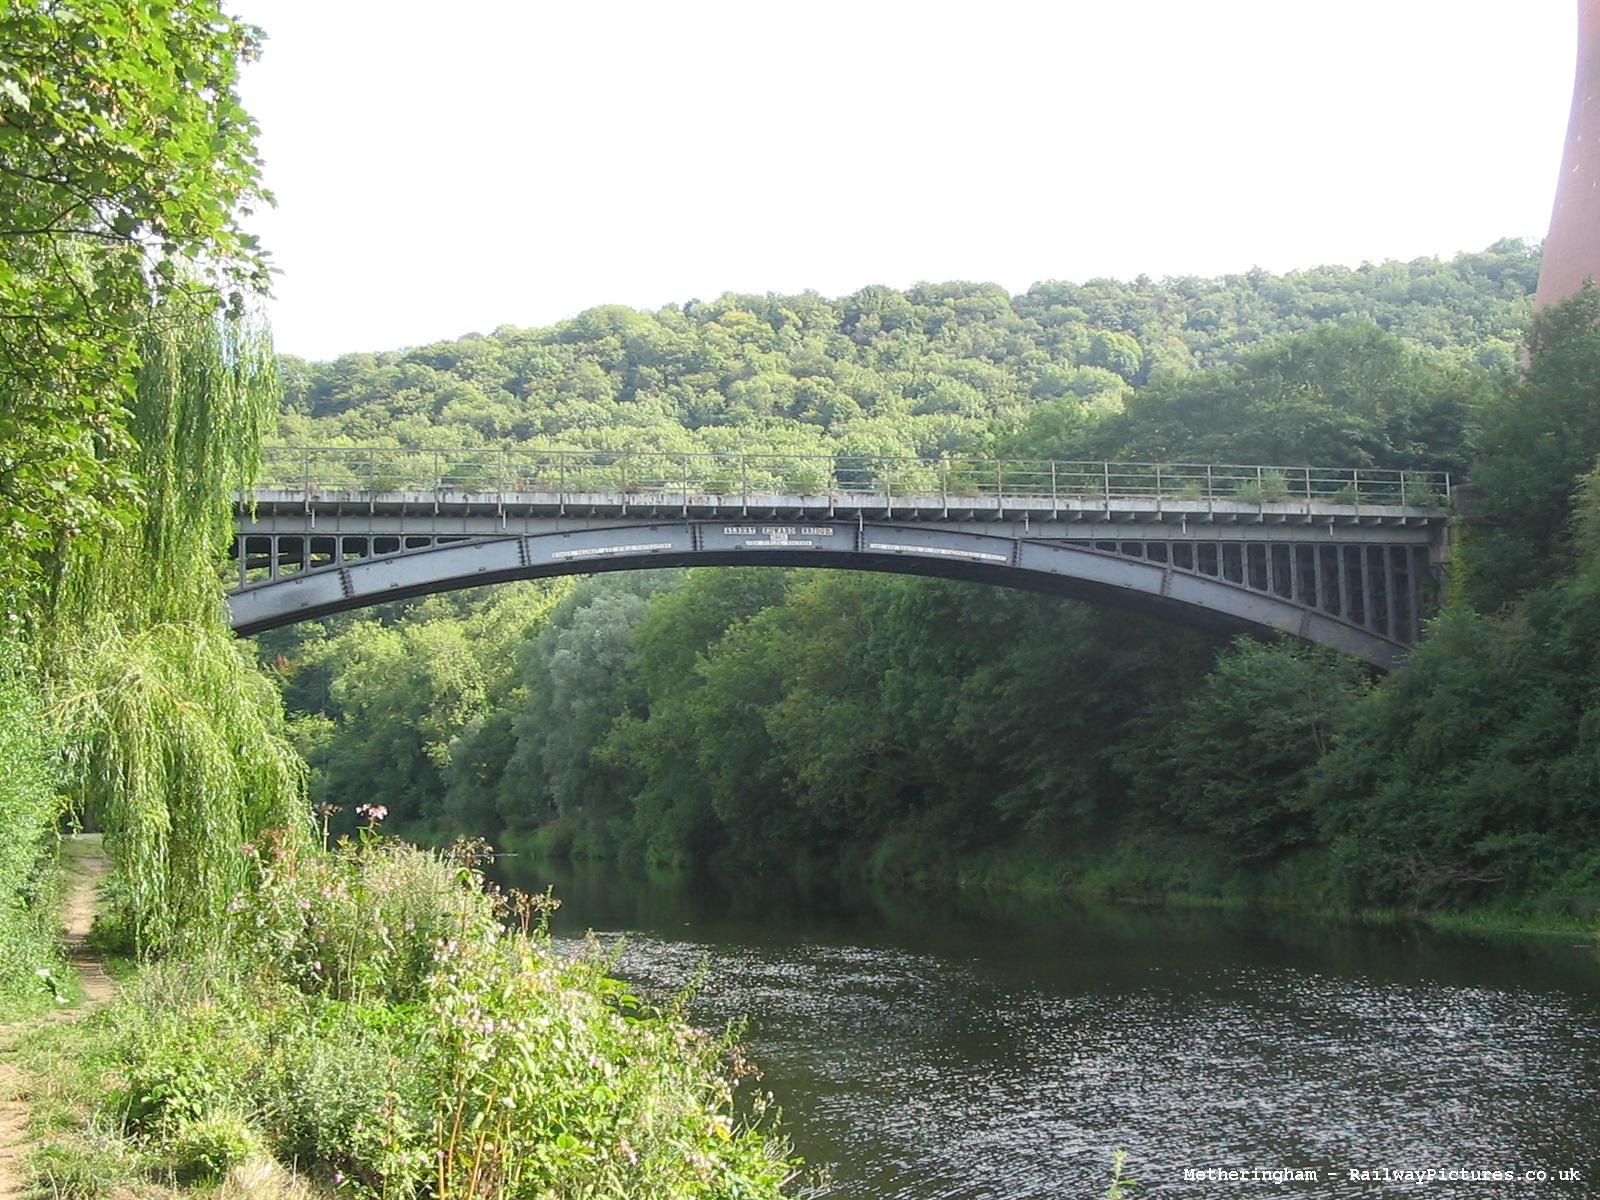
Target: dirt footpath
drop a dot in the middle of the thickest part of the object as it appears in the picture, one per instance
(86, 865)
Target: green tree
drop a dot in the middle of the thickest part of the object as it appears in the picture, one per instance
(126, 169)
(576, 680)
(175, 741)
(1233, 761)
(1532, 444)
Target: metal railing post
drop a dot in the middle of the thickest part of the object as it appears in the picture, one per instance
(1055, 494)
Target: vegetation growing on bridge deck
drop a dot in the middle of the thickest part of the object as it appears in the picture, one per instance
(939, 731)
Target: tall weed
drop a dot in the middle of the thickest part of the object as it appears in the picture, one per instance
(405, 1032)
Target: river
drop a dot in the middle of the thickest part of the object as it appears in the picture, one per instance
(925, 1053)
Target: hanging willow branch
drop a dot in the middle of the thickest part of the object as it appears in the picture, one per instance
(177, 741)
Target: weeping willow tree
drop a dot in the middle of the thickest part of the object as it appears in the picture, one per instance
(176, 740)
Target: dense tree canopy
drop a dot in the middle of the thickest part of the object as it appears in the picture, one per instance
(962, 367)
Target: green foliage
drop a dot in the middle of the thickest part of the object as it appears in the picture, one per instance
(175, 741)
(468, 1060)
(1457, 777)
(1351, 395)
(1119, 1185)
(754, 712)
(1232, 762)
(85, 1168)
(31, 967)
(406, 700)
(178, 749)
(126, 167)
(1471, 773)
(1380, 362)
(208, 1147)
(575, 685)
(1531, 447)
(134, 393)
(360, 923)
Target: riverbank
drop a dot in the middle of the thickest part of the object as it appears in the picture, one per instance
(1178, 872)
(377, 1023)
(1143, 871)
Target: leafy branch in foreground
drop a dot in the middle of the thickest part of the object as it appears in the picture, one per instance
(127, 167)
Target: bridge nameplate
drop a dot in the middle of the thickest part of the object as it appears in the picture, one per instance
(777, 537)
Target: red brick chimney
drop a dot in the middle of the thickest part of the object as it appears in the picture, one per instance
(1572, 249)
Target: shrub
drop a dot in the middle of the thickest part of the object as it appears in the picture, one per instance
(1271, 488)
(387, 1028)
(358, 922)
(206, 1149)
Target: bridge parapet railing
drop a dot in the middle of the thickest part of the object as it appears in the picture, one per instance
(952, 478)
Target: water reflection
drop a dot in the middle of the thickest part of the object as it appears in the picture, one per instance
(926, 1052)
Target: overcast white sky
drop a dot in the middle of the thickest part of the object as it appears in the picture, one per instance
(445, 168)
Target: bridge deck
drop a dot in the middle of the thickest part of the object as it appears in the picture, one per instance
(483, 513)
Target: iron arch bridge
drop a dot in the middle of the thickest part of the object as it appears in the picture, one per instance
(1352, 559)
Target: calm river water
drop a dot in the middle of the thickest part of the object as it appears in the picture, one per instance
(924, 1053)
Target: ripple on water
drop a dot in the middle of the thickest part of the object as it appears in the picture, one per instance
(913, 1074)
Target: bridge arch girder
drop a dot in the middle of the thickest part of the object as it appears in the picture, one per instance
(1042, 565)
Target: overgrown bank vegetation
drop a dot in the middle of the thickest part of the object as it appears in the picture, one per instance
(375, 1015)
(937, 732)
